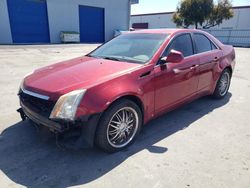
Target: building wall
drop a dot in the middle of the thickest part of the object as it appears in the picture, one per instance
(164, 20)
(239, 21)
(63, 15)
(5, 32)
(154, 20)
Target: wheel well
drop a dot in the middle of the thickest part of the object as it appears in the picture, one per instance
(135, 99)
(230, 69)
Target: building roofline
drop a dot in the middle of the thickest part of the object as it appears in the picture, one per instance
(160, 13)
(241, 7)
(152, 14)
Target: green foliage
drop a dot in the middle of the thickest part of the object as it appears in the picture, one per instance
(222, 11)
(200, 12)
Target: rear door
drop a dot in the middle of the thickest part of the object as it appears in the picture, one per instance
(176, 82)
(209, 55)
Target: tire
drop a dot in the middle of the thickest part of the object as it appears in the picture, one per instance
(114, 133)
(223, 84)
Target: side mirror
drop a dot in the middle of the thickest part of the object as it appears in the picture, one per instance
(173, 57)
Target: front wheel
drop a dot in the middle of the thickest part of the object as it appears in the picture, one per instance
(223, 84)
(119, 126)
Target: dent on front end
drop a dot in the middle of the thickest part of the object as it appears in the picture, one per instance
(59, 116)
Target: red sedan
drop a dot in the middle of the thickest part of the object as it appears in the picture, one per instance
(109, 94)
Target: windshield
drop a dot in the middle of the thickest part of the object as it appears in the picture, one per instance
(136, 47)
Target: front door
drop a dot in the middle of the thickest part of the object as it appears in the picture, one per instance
(176, 82)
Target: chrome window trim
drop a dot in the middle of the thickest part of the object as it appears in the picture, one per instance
(35, 94)
(191, 33)
(195, 54)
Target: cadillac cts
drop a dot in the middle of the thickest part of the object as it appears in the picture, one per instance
(109, 94)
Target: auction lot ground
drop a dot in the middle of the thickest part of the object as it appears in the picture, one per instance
(203, 144)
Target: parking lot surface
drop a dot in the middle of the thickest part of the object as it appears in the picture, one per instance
(203, 144)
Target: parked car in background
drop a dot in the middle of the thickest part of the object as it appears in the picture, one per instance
(109, 94)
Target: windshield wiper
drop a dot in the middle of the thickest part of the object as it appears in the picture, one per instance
(88, 55)
(111, 58)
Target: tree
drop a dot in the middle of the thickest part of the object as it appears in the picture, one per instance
(220, 12)
(202, 12)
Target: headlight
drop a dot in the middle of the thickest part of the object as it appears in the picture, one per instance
(67, 105)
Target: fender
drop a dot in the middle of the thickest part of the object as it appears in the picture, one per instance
(224, 63)
(98, 98)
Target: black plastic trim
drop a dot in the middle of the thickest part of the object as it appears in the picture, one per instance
(37, 118)
(87, 124)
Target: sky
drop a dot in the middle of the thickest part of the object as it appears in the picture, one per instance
(154, 6)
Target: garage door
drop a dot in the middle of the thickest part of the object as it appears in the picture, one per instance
(28, 21)
(91, 24)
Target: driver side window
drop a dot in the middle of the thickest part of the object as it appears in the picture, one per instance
(182, 43)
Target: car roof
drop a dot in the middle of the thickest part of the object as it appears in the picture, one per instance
(164, 31)
(174, 31)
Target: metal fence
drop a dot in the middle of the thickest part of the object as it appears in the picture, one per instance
(232, 36)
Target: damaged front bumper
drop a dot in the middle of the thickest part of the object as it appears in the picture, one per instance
(86, 126)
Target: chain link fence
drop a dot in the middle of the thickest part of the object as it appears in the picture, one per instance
(239, 37)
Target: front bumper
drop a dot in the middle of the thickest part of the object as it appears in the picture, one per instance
(86, 125)
(39, 119)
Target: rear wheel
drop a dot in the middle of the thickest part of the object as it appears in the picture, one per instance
(223, 84)
(119, 126)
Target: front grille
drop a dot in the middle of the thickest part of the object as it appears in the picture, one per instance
(40, 106)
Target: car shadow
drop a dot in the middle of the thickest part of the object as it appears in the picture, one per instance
(33, 159)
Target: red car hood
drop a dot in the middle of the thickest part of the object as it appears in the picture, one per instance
(84, 72)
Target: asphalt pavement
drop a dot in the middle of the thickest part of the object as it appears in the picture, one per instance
(203, 144)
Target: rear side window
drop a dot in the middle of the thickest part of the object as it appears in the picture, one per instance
(182, 43)
(203, 44)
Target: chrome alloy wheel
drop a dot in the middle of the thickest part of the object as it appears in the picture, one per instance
(224, 83)
(122, 127)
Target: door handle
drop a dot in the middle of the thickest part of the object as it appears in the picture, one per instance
(194, 66)
(177, 71)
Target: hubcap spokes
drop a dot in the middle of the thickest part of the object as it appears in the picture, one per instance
(224, 83)
(122, 127)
